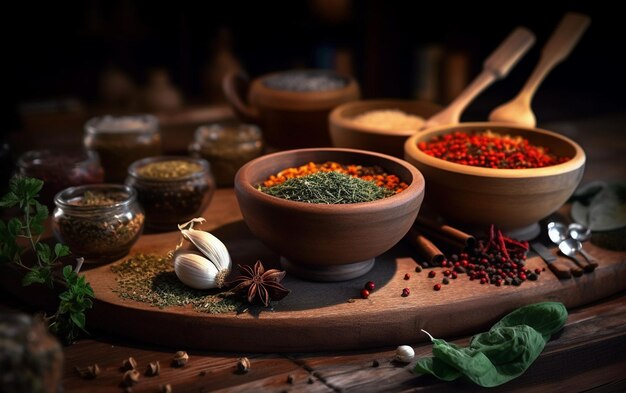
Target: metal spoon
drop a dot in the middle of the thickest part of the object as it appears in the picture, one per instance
(579, 232)
(557, 232)
(571, 246)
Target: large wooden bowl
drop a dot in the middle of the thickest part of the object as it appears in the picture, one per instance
(512, 199)
(344, 132)
(328, 242)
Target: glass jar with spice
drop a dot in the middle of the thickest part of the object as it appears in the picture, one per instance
(99, 222)
(122, 140)
(171, 190)
(60, 169)
(227, 146)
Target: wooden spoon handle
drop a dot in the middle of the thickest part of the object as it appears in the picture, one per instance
(558, 47)
(497, 66)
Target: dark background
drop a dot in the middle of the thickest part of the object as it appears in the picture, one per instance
(60, 50)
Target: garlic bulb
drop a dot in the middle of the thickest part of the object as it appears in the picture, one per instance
(208, 266)
(404, 354)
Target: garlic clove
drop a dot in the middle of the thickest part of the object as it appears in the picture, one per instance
(404, 354)
(196, 271)
(210, 246)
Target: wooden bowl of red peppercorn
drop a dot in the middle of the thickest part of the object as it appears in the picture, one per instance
(512, 195)
(328, 242)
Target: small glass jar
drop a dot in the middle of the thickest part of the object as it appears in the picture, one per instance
(121, 140)
(98, 222)
(171, 190)
(60, 169)
(227, 146)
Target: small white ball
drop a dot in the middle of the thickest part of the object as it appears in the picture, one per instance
(404, 354)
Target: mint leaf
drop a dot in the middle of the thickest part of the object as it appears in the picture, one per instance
(40, 275)
(79, 319)
(61, 250)
(14, 227)
(67, 271)
(9, 200)
(38, 219)
(44, 252)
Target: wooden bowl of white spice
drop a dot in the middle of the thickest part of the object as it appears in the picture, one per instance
(171, 189)
(378, 125)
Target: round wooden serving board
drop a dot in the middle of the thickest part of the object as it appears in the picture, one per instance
(319, 316)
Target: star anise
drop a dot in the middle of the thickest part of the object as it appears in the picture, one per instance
(262, 285)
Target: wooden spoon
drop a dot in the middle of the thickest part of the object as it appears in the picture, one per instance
(561, 43)
(497, 66)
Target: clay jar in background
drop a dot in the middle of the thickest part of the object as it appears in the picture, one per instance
(291, 114)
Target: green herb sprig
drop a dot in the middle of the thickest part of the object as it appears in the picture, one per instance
(69, 319)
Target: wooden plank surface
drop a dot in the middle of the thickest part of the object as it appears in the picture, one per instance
(318, 316)
(589, 353)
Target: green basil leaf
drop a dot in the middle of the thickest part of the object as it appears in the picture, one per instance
(501, 354)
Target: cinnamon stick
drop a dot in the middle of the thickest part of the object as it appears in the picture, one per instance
(451, 235)
(425, 247)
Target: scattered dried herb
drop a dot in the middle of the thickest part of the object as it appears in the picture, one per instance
(328, 188)
(150, 278)
(69, 319)
(173, 169)
(501, 354)
(261, 285)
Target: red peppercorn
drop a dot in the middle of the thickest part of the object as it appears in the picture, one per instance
(406, 292)
(537, 271)
(454, 275)
(432, 274)
(407, 276)
(483, 280)
(365, 293)
(522, 276)
(437, 287)
(370, 286)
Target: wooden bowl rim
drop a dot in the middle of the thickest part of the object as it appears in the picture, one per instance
(411, 150)
(304, 100)
(338, 118)
(242, 178)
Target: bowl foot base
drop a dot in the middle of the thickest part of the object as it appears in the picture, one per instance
(328, 273)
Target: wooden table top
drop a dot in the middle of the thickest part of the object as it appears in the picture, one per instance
(588, 354)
